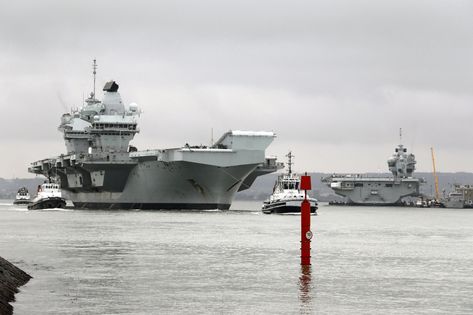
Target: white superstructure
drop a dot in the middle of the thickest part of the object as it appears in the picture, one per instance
(287, 195)
(22, 196)
(47, 190)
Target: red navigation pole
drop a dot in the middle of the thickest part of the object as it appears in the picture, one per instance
(306, 233)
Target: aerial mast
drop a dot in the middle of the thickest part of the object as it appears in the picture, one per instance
(289, 162)
(436, 179)
(94, 67)
(211, 137)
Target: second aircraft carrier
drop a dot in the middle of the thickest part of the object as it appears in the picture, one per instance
(361, 189)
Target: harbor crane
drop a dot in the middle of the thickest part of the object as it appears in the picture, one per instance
(436, 179)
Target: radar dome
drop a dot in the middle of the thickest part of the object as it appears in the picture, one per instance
(133, 107)
(66, 118)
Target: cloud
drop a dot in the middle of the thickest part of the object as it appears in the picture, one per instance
(332, 78)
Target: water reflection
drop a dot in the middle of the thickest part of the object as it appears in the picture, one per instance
(304, 289)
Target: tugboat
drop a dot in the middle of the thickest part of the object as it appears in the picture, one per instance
(22, 197)
(287, 196)
(49, 196)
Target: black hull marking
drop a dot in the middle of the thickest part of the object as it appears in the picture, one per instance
(287, 209)
(48, 203)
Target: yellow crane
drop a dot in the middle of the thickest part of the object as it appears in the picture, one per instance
(436, 179)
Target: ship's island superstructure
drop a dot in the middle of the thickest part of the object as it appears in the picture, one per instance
(361, 189)
(101, 170)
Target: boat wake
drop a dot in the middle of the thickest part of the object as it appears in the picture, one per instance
(21, 209)
(54, 209)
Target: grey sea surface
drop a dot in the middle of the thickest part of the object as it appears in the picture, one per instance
(365, 260)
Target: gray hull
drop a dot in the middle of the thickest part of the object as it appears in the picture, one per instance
(455, 204)
(362, 189)
(177, 185)
(374, 191)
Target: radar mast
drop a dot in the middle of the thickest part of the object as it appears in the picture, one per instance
(94, 67)
(91, 99)
(290, 156)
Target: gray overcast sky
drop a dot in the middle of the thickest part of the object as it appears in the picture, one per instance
(334, 79)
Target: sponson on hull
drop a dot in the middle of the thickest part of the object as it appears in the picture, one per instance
(287, 196)
(101, 170)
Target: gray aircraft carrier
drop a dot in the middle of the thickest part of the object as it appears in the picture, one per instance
(361, 189)
(102, 171)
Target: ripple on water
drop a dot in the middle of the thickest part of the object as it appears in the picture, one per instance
(142, 262)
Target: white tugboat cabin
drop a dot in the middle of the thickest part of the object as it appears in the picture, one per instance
(22, 197)
(287, 195)
(49, 196)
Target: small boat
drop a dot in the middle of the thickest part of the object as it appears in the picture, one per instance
(460, 197)
(22, 197)
(455, 199)
(48, 196)
(287, 195)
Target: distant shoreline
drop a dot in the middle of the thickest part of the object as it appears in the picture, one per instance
(262, 187)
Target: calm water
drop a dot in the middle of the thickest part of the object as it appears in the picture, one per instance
(365, 261)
